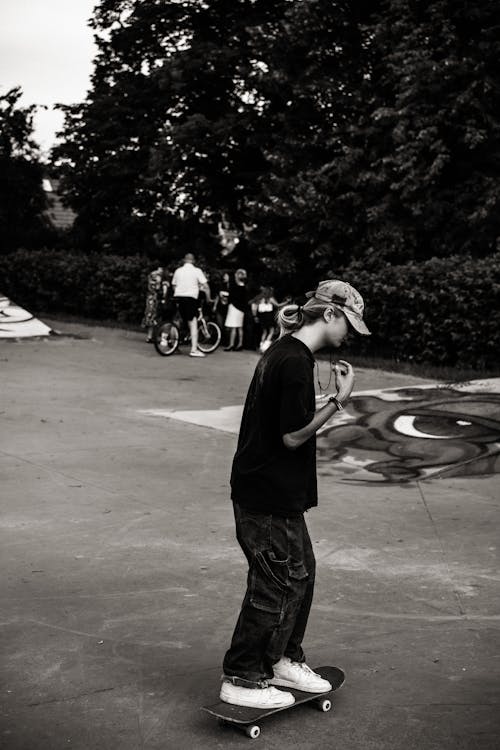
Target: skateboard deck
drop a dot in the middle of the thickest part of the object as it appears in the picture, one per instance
(246, 719)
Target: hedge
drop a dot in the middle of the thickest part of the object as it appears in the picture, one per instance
(441, 311)
(102, 287)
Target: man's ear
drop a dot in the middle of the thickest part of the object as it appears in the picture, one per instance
(328, 314)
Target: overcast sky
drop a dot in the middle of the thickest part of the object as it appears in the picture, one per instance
(46, 48)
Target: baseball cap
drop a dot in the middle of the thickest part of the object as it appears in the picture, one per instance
(346, 297)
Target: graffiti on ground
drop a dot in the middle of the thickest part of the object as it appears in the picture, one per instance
(399, 434)
(404, 434)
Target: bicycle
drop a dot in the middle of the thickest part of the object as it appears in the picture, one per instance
(168, 335)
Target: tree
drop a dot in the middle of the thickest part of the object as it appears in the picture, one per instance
(430, 133)
(194, 113)
(106, 140)
(318, 130)
(162, 105)
(411, 172)
(314, 66)
(22, 199)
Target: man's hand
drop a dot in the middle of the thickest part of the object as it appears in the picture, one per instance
(344, 380)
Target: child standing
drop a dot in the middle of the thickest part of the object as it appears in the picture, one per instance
(266, 306)
(273, 482)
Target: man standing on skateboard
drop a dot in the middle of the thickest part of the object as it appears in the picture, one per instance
(273, 483)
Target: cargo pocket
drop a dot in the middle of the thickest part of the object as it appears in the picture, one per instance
(298, 580)
(268, 584)
(297, 572)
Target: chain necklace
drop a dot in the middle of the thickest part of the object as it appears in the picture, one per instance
(326, 388)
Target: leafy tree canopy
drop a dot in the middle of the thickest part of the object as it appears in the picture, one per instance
(321, 131)
(193, 108)
(431, 129)
(22, 199)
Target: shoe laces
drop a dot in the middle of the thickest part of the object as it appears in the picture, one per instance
(303, 668)
(271, 692)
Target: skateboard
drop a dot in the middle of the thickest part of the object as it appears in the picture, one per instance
(245, 718)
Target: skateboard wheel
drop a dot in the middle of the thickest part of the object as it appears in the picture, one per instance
(252, 731)
(325, 704)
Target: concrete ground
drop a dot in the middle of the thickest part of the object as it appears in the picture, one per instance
(121, 578)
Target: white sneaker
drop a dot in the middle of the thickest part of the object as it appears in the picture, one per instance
(196, 354)
(299, 676)
(255, 698)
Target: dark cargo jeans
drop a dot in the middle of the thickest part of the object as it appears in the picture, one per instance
(280, 585)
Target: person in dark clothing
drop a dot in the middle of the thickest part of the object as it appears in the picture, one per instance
(221, 301)
(264, 306)
(238, 303)
(153, 298)
(273, 482)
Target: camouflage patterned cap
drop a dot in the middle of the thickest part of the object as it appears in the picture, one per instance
(346, 297)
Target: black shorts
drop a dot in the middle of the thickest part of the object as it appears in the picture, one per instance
(188, 308)
(266, 319)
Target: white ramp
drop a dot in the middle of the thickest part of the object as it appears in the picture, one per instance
(17, 323)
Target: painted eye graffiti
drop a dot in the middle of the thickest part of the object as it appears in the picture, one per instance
(440, 425)
(408, 434)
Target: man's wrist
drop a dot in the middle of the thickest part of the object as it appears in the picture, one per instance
(338, 403)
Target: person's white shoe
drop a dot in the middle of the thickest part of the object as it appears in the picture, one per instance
(267, 697)
(293, 674)
(196, 354)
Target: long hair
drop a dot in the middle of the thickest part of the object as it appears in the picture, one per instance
(291, 318)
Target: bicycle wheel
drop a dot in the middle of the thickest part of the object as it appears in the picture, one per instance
(166, 339)
(209, 336)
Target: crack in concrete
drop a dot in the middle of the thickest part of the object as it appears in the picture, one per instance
(108, 595)
(456, 594)
(77, 697)
(103, 638)
(352, 612)
(54, 472)
(436, 705)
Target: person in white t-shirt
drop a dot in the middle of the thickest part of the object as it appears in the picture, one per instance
(187, 282)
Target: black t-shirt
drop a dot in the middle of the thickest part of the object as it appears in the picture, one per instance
(222, 300)
(266, 476)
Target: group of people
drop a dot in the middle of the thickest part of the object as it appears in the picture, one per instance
(233, 307)
(238, 315)
(182, 290)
